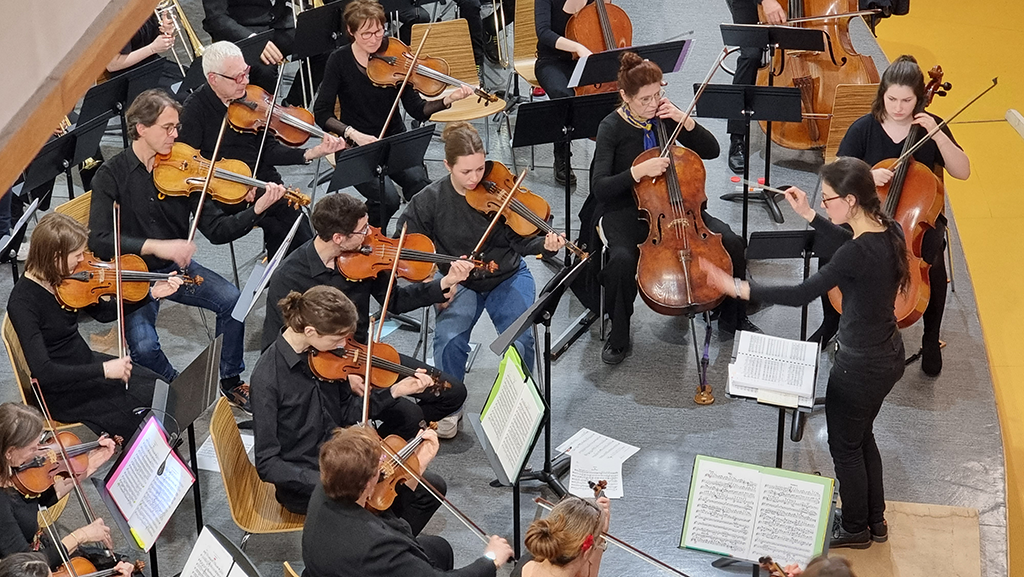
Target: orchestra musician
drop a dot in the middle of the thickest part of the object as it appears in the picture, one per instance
(20, 429)
(869, 267)
(442, 213)
(79, 385)
(568, 541)
(374, 545)
(158, 228)
(899, 105)
(295, 412)
(365, 106)
(341, 225)
(201, 119)
(622, 136)
(154, 37)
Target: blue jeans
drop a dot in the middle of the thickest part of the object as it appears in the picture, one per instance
(504, 304)
(215, 294)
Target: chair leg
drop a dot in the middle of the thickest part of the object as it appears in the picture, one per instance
(245, 539)
(473, 349)
(234, 263)
(949, 259)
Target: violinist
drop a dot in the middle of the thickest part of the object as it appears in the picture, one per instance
(745, 12)
(294, 412)
(898, 106)
(869, 267)
(79, 385)
(341, 225)
(158, 228)
(442, 213)
(201, 118)
(622, 136)
(21, 427)
(365, 106)
(374, 545)
(568, 541)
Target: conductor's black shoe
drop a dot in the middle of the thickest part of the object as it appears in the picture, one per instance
(879, 532)
(931, 358)
(736, 161)
(843, 538)
(614, 356)
(727, 330)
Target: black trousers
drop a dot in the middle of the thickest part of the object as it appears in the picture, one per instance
(417, 507)
(412, 180)
(553, 76)
(744, 12)
(624, 232)
(438, 550)
(857, 385)
(404, 418)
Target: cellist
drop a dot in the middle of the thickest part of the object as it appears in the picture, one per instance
(898, 106)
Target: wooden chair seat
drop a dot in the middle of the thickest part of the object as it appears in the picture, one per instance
(253, 505)
(22, 374)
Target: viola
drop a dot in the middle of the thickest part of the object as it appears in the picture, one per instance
(85, 568)
(391, 63)
(526, 213)
(291, 125)
(94, 278)
(817, 74)
(600, 26)
(37, 475)
(183, 171)
(392, 473)
(385, 369)
(416, 263)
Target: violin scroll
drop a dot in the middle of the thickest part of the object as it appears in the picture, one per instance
(773, 568)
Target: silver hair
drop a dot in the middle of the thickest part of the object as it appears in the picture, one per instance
(215, 54)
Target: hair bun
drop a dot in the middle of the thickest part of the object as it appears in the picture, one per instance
(628, 61)
(454, 128)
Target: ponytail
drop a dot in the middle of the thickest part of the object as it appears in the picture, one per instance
(322, 307)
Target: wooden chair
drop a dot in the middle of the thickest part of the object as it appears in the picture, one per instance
(450, 40)
(288, 571)
(850, 102)
(21, 371)
(524, 50)
(51, 514)
(77, 208)
(253, 506)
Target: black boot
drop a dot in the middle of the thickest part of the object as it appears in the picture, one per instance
(931, 357)
(561, 169)
(736, 160)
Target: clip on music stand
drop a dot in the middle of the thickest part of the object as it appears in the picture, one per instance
(750, 103)
(380, 159)
(251, 48)
(773, 38)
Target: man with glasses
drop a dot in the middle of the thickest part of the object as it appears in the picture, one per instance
(341, 225)
(157, 228)
(227, 75)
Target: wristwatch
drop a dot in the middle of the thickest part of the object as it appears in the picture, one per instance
(490, 555)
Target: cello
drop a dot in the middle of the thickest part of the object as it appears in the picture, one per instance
(600, 26)
(816, 74)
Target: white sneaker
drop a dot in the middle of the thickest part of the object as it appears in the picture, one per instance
(448, 427)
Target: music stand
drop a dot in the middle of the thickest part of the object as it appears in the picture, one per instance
(540, 313)
(773, 38)
(251, 48)
(750, 103)
(604, 66)
(380, 159)
(117, 93)
(319, 31)
(562, 120)
(54, 158)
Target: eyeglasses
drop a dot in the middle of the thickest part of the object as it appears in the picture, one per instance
(171, 128)
(825, 201)
(647, 100)
(365, 231)
(368, 35)
(240, 78)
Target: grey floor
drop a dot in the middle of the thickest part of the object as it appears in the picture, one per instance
(939, 438)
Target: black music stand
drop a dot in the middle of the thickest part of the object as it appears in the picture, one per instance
(380, 159)
(540, 313)
(773, 38)
(604, 66)
(251, 48)
(319, 31)
(117, 93)
(562, 120)
(750, 103)
(54, 158)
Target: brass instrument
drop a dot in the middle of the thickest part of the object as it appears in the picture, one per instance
(501, 33)
(171, 11)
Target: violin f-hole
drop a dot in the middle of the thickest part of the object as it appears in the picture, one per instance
(660, 232)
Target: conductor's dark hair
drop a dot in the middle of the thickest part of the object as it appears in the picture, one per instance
(904, 71)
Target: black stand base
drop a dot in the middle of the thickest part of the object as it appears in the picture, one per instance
(764, 197)
(194, 458)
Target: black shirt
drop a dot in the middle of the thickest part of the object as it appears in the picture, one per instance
(19, 525)
(144, 215)
(293, 413)
(550, 20)
(868, 141)
(456, 227)
(864, 269)
(236, 20)
(364, 106)
(144, 36)
(303, 269)
(201, 118)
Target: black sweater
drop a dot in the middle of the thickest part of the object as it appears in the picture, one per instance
(19, 524)
(864, 269)
(455, 227)
(550, 20)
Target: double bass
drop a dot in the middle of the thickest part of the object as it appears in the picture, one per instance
(600, 26)
(817, 74)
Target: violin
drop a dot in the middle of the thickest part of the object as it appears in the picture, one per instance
(526, 213)
(416, 263)
(94, 278)
(37, 475)
(183, 171)
(816, 74)
(385, 369)
(391, 63)
(291, 125)
(84, 568)
(392, 473)
(600, 26)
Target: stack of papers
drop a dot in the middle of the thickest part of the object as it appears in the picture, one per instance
(596, 457)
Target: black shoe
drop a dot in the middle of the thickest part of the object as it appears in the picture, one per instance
(727, 331)
(491, 49)
(931, 358)
(560, 170)
(825, 332)
(736, 161)
(615, 356)
(237, 393)
(879, 532)
(843, 538)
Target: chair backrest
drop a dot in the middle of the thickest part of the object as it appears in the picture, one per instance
(850, 102)
(449, 39)
(22, 374)
(77, 208)
(524, 48)
(288, 571)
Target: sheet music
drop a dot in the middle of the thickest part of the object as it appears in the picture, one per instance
(208, 558)
(591, 444)
(510, 418)
(584, 469)
(773, 363)
(787, 520)
(725, 504)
